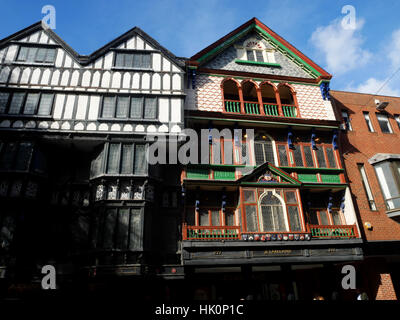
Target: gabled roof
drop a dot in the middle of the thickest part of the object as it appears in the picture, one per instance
(255, 25)
(86, 59)
(267, 166)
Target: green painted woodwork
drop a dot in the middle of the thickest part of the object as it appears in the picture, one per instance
(251, 108)
(269, 64)
(332, 232)
(330, 178)
(307, 177)
(209, 234)
(271, 110)
(232, 106)
(289, 111)
(221, 174)
(197, 173)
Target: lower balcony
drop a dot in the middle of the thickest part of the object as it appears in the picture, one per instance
(204, 233)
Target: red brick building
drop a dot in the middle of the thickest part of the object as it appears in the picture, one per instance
(370, 147)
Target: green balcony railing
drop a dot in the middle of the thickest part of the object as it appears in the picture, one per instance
(232, 106)
(271, 110)
(289, 111)
(251, 107)
(210, 232)
(332, 232)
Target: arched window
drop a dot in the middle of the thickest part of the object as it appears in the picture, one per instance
(263, 150)
(272, 217)
(250, 98)
(231, 96)
(269, 100)
(286, 95)
(231, 91)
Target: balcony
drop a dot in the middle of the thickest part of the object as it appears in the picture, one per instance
(253, 108)
(204, 233)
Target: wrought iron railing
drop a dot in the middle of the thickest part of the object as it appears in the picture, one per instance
(210, 232)
(332, 232)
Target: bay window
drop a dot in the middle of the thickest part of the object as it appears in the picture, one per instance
(388, 173)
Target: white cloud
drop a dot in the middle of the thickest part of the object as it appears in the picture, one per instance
(372, 85)
(341, 47)
(394, 49)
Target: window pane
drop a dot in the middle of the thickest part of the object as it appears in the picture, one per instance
(150, 108)
(298, 159)
(146, 61)
(113, 158)
(384, 123)
(128, 61)
(7, 155)
(51, 54)
(135, 234)
(323, 218)
(321, 158)
(119, 60)
(127, 159)
(251, 217)
(313, 217)
(259, 56)
(122, 229)
(267, 219)
(31, 102)
(109, 228)
(23, 52)
(346, 121)
(41, 55)
(122, 107)
(368, 121)
(290, 197)
(96, 165)
(250, 55)
(294, 218)
(249, 196)
(367, 188)
(140, 159)
(23, 156)
(31, 54)
(3, 101)
(215, 218)
(229, 218)
(136, 107)
(16, 103)
(259, 153)
(282, 155)
(388, 184)
(108, 107)
(46, 101)
(203, 217)
(331, 157)
(398, 120)
(278, 218)
(336, 218)
(308, 156)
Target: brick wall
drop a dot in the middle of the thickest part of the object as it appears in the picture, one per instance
(208, 97)
(358, 146)
(385, 289)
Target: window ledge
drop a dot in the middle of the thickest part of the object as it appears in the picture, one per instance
(42, 64)
(129, 120)
(132, 69)
(269, 64)
(25, 116)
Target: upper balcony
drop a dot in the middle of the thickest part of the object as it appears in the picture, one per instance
(265, 99)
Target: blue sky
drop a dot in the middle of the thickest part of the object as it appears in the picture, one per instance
(360, 59)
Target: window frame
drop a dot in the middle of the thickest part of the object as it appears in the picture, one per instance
(35, 61)
(368, 121)
(21, 112)
(132, 52)
(388, 122)
(328, 215)
(367, 188)
(129, 118)
(347, 124)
